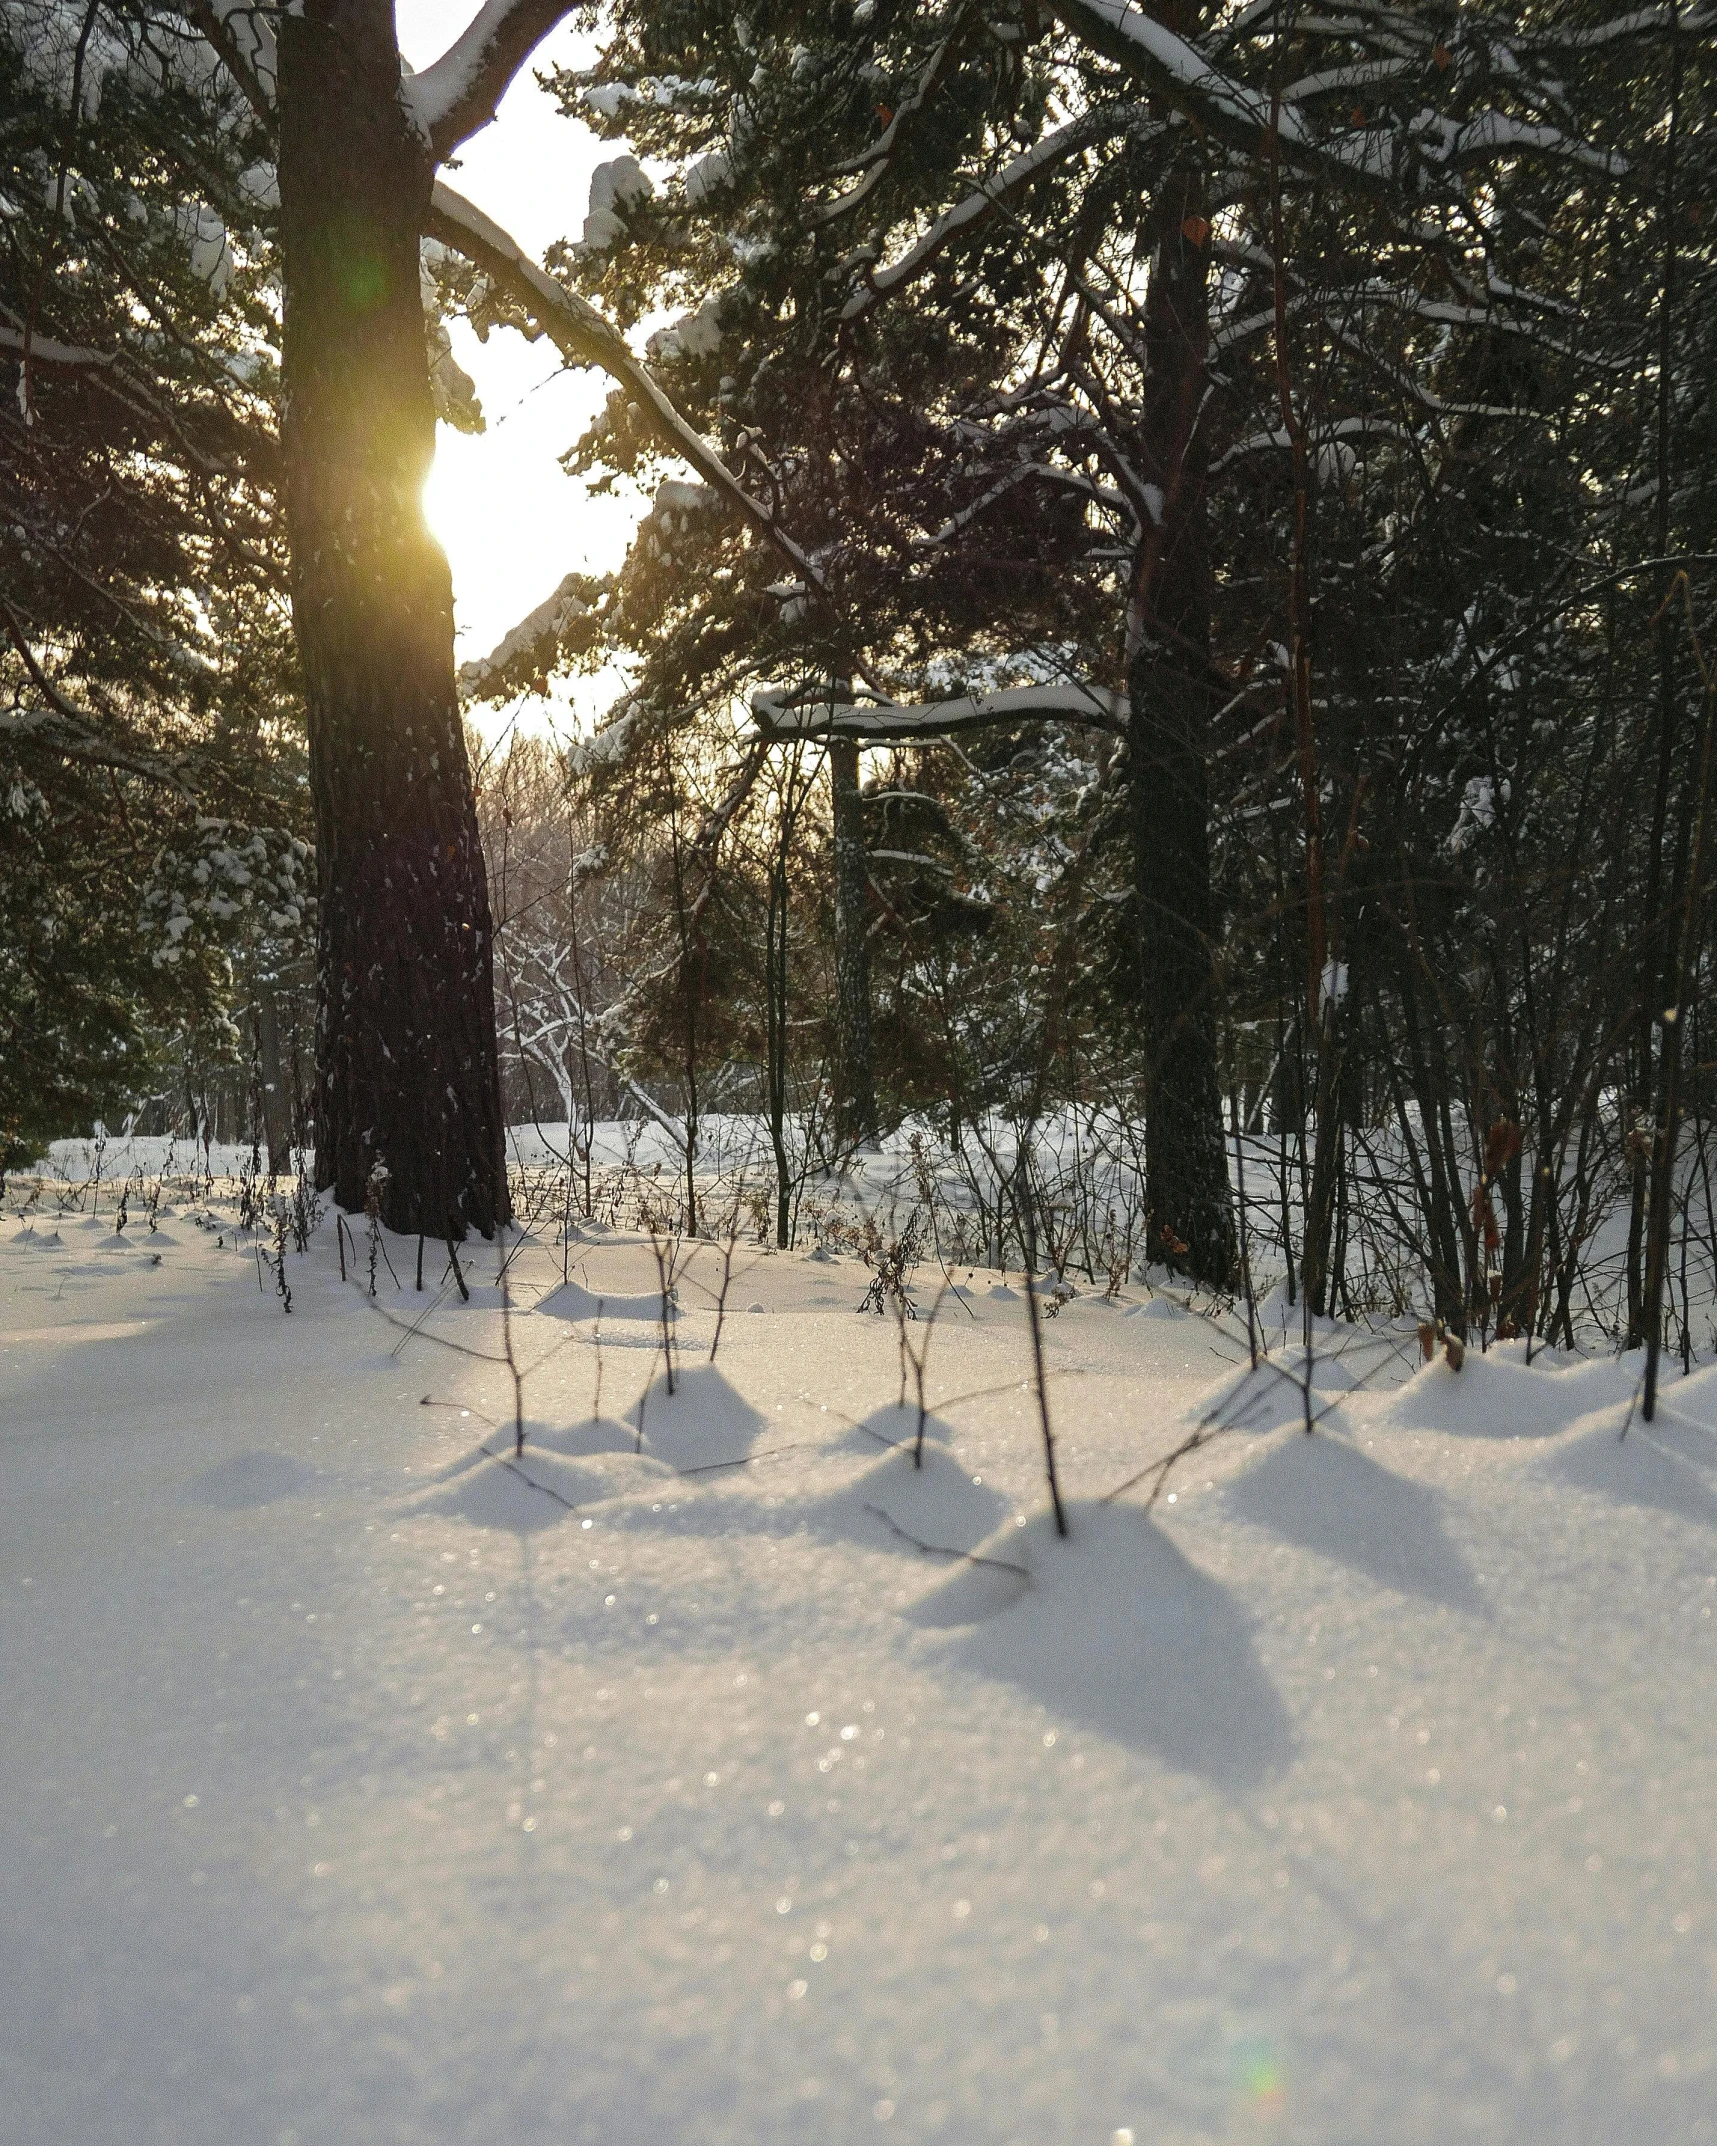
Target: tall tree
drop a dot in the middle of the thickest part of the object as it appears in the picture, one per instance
(408, 1090)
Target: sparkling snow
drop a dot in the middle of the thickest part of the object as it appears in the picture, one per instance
(362, 1785)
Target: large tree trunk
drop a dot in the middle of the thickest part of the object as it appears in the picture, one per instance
(855, 1079)
(1186, 1170)
(407, 1080)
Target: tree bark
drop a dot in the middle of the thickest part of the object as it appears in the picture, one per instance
(855, 1077)
(276, 1099)
(407, 1088)
(1186, 1169)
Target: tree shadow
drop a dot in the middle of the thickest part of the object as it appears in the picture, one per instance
(249, 1479)
(894, 1505)
(1117, 1630)
(894, 1424)
(595, 1434)
(1328, 1496)
(489, 1488)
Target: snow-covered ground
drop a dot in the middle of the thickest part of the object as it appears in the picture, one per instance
(361, 1788)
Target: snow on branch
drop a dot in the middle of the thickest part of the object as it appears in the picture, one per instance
(1229, 107)
(1330, 443)
(1240, 114)
(57, 733)
(978, 205)
(45, 351)
(1072, 480)
(1638, 22)
(1495, 134)
(456, 95)
(583, 337)
(537, 634)
(777, 718)
(877, 158)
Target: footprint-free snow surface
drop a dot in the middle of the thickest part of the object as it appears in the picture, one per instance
(363, 1787)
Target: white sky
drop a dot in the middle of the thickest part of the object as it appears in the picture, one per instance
(511, 522)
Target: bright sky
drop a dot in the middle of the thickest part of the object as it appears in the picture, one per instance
(511, 521)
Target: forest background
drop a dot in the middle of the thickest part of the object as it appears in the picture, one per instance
(1174, 603)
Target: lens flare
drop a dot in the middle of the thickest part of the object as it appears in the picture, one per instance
(1259, 2079)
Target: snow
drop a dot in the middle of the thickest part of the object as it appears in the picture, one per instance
(1078, 703)
(694, 335)
(445, 84)
(614, 188)
(708, 175)
(542, 627)
(364, 1784)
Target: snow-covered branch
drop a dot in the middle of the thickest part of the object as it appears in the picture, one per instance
(1228, 107)
(1323, 438)
(456, 95)
(583, 337)
(1020, 171)
(877, 158)
(1236, 112)
(56, 733)
(1071, 480)
(779, 720)
(45, 351)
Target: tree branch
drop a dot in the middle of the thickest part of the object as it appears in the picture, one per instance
(583, 337)
(244, 39)
(457, 95)
(775, 719)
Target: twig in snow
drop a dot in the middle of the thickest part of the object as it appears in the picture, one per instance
(919, 1358)
(936, 1549)
(1023, 1216)
(502, 1267)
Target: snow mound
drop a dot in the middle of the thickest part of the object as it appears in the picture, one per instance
(1114, 1629)
(1497, 1394)
(703, 1423)
(571, 1301)
(489, 1488)
(1669, 1467)
(596, 1434)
